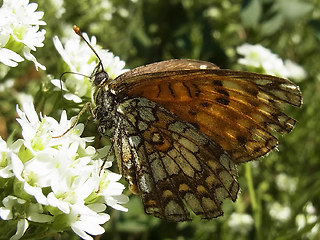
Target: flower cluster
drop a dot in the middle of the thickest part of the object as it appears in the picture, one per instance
(279, 212)
(19, 32)
(52, 177)
(241, 222)
(81, 59)
(262, 59)
(309, 219)
(286, 183)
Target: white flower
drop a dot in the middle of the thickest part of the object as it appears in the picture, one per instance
(240, 222)
(17, 208)
(69, 96)
(309, 217)
(81, 59)
(22, 226)
(7, 84)
(60, 174)
(8, 155)
(111, 189)
(32, 37)
(286, 183)
(9, 203)
(83, 220)
(254, 55)
(21, 21)
(279, 212)
(295, 71)
(27, 54)
(59, 8)
(264, 60)
(9, 57)
(24, 12)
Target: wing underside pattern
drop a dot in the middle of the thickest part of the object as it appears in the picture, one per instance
(174, 167)
(238, 110)
(181, 126)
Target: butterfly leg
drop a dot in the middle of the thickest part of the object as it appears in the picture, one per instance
(75, 121)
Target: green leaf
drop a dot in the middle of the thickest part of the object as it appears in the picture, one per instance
(251, 12)
(272, 25)
(315, 24)
(294, 10)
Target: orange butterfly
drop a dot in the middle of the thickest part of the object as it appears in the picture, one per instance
(179, 128)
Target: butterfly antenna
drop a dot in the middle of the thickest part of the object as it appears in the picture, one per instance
(61, 76)
(76, 29)
(75, 73)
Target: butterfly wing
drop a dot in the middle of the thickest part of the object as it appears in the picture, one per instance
(174, 167)
(169, 65)
(238, 110)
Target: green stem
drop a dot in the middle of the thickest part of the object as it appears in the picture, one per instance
(256, 209)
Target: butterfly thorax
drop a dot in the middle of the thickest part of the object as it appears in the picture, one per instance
(105, 101)
(105, 112)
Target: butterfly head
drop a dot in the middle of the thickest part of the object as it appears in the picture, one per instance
(100, 77)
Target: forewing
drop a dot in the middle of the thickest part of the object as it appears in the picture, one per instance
(239, 110)
(165, 66)
(174, 167)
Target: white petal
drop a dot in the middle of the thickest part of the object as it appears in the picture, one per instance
(72, 97)
(36, 192)
(90, 227)
(16, 145)
(17, 167)
(59, 84)
(10, 58)
(5, 213)
(78, 230)
(27, 106)
(21, 228)
(6, 172)
(57, 43)
(31, 7)
(30, 57)
(62, 205)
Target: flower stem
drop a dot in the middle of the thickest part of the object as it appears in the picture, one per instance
(256, 208)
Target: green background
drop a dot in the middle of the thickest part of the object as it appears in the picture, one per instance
(145, 31)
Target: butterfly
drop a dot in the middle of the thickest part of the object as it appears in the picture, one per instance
(180, 128)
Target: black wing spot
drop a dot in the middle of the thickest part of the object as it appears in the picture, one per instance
(193, 112)
(159, 91)
(196, 125)
(197, 91)
(217, 83)
(171, 90)
(224, 92)
(242, 140)
(188, 89)
(253, 92)
(205, 104)
(223, 101)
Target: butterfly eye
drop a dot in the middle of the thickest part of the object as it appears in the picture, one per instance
(100, 78)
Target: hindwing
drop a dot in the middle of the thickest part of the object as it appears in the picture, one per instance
(174, 167)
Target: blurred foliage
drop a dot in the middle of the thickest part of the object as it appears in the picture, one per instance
(145, 31)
